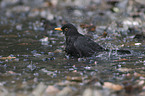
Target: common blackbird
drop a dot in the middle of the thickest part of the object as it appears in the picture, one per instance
(78, 45)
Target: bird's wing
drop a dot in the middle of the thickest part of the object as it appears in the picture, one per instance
(85, 46)
(94, 45)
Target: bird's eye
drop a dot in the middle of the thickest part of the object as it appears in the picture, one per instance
(66, 29)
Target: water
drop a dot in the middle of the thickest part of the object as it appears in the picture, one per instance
(36, 63)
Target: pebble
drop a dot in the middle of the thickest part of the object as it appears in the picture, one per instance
(51, 91)
(45, 39)
(137, 44)
(20, 9)
(77, 3)
(39, 90)
(19, 27)
(54, 2)
(92, 92)
(77, 13)
(58, 51)
(88, 92)
(130, 22)
(33, 13)
(4, 92)
(81, 59)
(65, 92)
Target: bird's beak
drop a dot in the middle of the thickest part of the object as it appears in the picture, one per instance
(59, 29)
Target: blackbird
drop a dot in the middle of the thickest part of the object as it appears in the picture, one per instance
(78, 45)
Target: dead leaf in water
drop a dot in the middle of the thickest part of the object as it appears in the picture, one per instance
(24, 44)
(76, 79)
(104, 34)
(9, 57)
(123, 59)
(125, 69)
(58, 51)
(11, 72)
(66, 83)
(8, 36)
(110, 85)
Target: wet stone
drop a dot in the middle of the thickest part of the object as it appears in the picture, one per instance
(19, 27)
(51, 53)
(51, 91)
(77, 13)
(3, 91)
(88, 92)
(92, 92)
(65, 92)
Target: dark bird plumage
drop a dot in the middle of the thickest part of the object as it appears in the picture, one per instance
(78, 45)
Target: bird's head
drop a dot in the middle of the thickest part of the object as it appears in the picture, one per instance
(68, 29)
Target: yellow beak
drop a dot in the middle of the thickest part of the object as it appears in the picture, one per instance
(59, 29)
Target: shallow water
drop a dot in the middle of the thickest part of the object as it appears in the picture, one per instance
(40, 62)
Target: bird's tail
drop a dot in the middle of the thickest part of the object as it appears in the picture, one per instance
(119, 51)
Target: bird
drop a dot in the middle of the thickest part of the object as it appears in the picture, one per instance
(78, 45)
